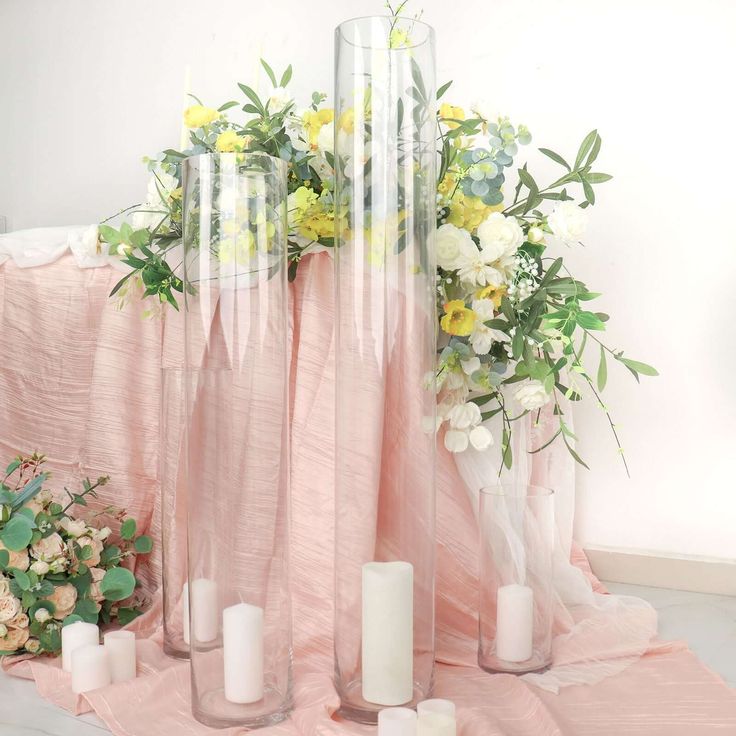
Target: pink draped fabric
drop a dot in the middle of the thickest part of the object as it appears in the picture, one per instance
(80, 381)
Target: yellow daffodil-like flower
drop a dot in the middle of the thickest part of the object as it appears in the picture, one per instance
(346, 122)
(229, 141)
(458, 319)
(399, 37)
(494, 293)
(313, 122)
(197, 115)
(302, 199)
(317, 225)
(468, 212)
(452, 112)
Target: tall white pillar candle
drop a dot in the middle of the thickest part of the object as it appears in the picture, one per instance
(205, 610)
(388, 632)
(514, 623)
(75, 635)
(242, 640)
(90, 668)
(436, 724)
(185, 613)
(436, 705)
(120, 646)
(397, 722)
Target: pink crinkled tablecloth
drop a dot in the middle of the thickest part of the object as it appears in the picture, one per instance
(80, 381)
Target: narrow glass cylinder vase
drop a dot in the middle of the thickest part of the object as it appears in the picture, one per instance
(385, 194)
(172, 477)
(517, 536)
(235, 270)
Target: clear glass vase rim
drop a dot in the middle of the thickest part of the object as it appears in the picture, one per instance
(279, 163)
(501, 490)
(354, 21)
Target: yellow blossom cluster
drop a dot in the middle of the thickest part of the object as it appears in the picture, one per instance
(310, 216)
(458, 319)
(314, 120)
(451, 114)
(466, 212)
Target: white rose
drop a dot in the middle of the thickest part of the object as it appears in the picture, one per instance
(42, 615)
(456, 440)
(568, 222)
(33, 645)
(499, 236)
(73, 527)
(48, 548)
(103, 533)
(326, 137)
(481, 438)
(464, 416)
(450, 243)
(532, 395)
(40, 567)
(278, 99)
(9, 608)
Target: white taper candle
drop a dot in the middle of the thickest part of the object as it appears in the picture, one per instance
(76, 635)
(90, 668)
(388, 632)
(242, 640)
(514, 623)
(120, 646)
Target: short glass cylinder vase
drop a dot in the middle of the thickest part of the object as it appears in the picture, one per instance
(172, 477)
(517, 537)
(385, 193)
(235, 277)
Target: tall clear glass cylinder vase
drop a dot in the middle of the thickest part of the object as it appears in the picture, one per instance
(235, 270)
(385, 149)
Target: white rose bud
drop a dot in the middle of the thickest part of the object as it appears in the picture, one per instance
(104, 533)
(3, 630)
(33, 645)
(42, 615)
(40, 567)
(535, 235)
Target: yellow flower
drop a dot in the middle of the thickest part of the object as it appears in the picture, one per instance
(458, 319)
(450, 111)
(229, 141)
(468, 212)
(347, 121)
(314, 120)
(494, 293)
(197, 115)
(304, 198)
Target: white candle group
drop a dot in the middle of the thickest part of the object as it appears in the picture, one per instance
(388, 633)
(242, 639)
(76, 635)
(514, 623)
(90, 668)
(120, 647)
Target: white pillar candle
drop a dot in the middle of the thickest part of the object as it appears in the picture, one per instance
(435, 724)
(388, 632)
(514, 623)
(436, 705)
(242, 639)
(90, 668)
(397, 722)
(205, 611)
(120, 646)
(75, 635)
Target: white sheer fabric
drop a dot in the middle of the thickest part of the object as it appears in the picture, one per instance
(596, 635)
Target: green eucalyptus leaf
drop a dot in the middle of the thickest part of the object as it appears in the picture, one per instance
(117, 584)
(127, 529)
(17, 533)
(143, 544)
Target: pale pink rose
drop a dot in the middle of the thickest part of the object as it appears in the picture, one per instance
(48, 548)
(94, 589)
(96, 546)
(14, 639)
(19, 559)
(21, 621)
(9, 608)
(64, 599)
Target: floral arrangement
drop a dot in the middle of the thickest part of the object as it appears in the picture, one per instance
(514, 321)
(56, 569)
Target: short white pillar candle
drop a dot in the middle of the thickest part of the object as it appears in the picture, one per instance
(78, 634)
(436, 724)
(436, 705)
(204, 609)
(514, 623)
(242, 640)
(90, 668)
(397, 722)
(388, 633)
(120, 646)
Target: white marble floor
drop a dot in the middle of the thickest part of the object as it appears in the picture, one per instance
(706, 622)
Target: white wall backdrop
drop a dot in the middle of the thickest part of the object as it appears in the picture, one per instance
(88, 87)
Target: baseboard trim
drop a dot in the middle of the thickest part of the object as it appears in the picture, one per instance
(641, 567)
